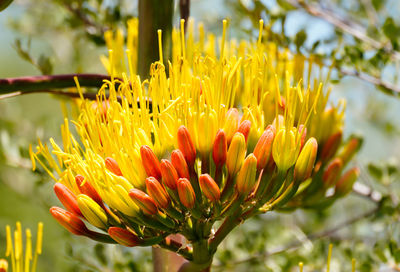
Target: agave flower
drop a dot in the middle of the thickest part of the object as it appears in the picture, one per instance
(220, 137)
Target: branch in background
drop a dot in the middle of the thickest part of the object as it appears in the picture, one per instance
(90, 25)
(40, 83)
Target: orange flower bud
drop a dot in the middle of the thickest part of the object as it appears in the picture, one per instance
(350, 149)
(209, 187)
(113, 166)
(87, 189)
(143, 201)
(345, 183)
(150, 162)
(179, 162)
(124, 237)
(69, 221)
(236, 153)
(303, 131)
(332, 172)
(186, 193)
(244, 128)
(169, 174)
(331, 146)
(246, 179)
(157, 192)
(185, 144)
(220, 148)
(67, 198)
(305, 162)
(262, 151)
(231, 124)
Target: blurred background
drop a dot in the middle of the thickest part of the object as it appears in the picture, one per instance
(51, 37)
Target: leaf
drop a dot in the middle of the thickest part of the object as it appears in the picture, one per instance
(300, 38)
(375, 171)
(390, 29)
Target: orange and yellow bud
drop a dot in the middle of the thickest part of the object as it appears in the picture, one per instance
(69, 221)
(157, 192)
(220, 148)
(113, 166)
(246, 179)
(186, 193)
(150, 162)
(87, 189)
(93, 213)
(263, 148)
(124, 237)
(332, 172)
(305, 162)
(285, 148)
(143, 201)
(236, 153)
(345, 183)
(209, 187)
(67, 198)
(179, 162)
(349, 150)
(185, 144)
(331, 146)
(3, 265)
(244, 128)
(169, 174)
(231, 123)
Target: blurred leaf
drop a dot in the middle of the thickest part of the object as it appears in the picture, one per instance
(375, 171)
(4, 4)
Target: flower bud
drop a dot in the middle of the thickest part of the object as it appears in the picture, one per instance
(219, 148)
(236, 153)
(231, 123)
(332, 172)
(67, 198)
(208, 126)
(3, 262)
(169, 174)
(143, 201)
(113, 166)
(246, 179)
(179, 162)
(244, 128)
(87, 189)
(186, 193)
(263, 148)
(209, 187)
(150, 162)
(101, 108)
(351, 148)
(303, 131)
(93, 213)
(69, 221)
(185, 144)
(157, 192)
(345, 183)
(331, 146)
(285, 149)
(305, 162)
(124, 237)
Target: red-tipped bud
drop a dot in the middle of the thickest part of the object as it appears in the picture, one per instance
(185, 144)
(305, 162)
(67, 198)
(244, 128)
(231, 123)
(350, 149)
(219, 148)
(186, 193)
(87, 189)
(113, 166)
(179, 162)
(124, 237)
(332, 172)
(157, 192)
(345, 183)
(303, 131)
(169, 174)
(262, 151)
(143, 201)
(246, 179)
(69, 221)
(331, 146)
(209, 187)
(150, 162)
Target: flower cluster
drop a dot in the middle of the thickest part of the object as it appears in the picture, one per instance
(217, 138)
